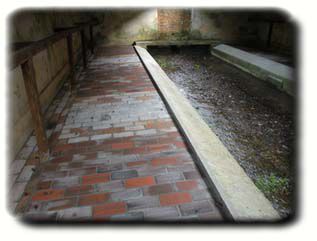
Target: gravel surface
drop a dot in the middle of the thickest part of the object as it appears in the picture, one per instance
(255, 121)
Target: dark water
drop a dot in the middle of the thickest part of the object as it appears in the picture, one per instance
(253, 119)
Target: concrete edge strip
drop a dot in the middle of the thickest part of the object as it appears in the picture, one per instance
(241, 199)
(145, 44)
(278, 74)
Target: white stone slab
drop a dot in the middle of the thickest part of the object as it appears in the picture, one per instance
(242, 200)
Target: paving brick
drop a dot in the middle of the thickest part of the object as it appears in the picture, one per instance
(161, 213)
(124, 175)
(59, 204)
(175, 198)
(123, 134)
(151, 171)
(192, 175)
(169, 177)
(132, 216)
(139, 182)
(111, 186)
(46, 195)
(136, 163)
(158, 189)
(215, 215)
(83, 171)
(65, 182)
(126, 194)
(186, 185)
(142, 203)
(200, 195)
(92, 199)
(78, 139)
(77, 190)
(95, 178)
(146, 132)
(196, 208)
(109, 168)
(101, 137)
(164, 161)
(110, 209)
(122, 145)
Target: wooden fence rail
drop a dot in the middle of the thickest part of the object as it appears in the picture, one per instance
(24, 57)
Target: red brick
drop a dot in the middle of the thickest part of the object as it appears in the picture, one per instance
(46, 195)
(158, 189)
(164, 161)
(137, 150)
(110, 209)
(122, 145)
(136, 163)
(93, 199)
(96, 178)
(139, 182)
(186, 185)
(175, 198)
(79, 190)
(159, 147)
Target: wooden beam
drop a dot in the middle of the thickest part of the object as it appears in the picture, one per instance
(34, 104)
(91, 33)
(83, 47)
(22, 55)
(269, 37)
(71, 61)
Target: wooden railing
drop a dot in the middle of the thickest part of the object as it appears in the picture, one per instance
(24, 57)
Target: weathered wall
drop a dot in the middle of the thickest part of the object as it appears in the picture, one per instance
(283, 37)
(222, 25)
(126, 26)
(174, 23)
(51, 68)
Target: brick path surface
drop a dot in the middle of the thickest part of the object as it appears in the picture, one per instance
(116, 154)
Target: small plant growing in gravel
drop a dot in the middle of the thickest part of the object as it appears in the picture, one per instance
(272, 184)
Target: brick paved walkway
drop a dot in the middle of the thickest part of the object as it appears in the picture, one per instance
(116, 154)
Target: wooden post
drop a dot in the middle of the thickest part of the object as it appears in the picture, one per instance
(70, 60)
(34, 103)
(83, 44)
(269, 37)
(91, 32)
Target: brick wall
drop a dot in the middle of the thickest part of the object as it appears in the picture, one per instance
(173, 22)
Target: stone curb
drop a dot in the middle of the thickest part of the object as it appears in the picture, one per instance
(242, 201)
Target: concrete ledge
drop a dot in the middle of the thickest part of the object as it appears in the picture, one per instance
(280, 75)
(145, 44)
(241, 199)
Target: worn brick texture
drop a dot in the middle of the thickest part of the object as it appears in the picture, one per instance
(116, 154)
(172, 21)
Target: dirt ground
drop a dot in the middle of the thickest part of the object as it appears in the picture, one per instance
(255, 121)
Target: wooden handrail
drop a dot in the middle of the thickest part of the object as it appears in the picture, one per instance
(20, 56)
(24, 58)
